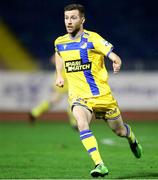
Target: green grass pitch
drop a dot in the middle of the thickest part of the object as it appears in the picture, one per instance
(52, 150)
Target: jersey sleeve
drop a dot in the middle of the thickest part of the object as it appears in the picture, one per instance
(55, 45)
(101, 45)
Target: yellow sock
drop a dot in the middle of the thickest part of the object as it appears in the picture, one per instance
(91, 145)
(130, 135)
(41, 108)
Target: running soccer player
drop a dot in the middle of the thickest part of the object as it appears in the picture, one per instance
(46, 105)
(82, 53)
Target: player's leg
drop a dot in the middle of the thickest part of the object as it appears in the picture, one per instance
(72, 120)
(40, 109)
(44, 106)
(83, 117)
(124, 130)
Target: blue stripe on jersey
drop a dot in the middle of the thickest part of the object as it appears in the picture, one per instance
(73, 46)
(110, 51)
(87, 73)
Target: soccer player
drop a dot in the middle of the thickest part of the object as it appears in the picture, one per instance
(82, 53)
(46, 105)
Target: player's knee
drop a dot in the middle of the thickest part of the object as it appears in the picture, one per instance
(120, 132)
(82, 126)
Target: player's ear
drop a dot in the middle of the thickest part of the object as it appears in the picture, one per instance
(83, 20)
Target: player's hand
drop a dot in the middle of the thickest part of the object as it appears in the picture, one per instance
(116, 66)
(60, 82)
(116, 62)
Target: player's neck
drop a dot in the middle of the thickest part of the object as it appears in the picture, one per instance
(76, 34)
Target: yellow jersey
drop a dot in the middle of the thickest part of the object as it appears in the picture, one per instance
(84, 63)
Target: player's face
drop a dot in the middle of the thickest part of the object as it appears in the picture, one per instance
(73, 21)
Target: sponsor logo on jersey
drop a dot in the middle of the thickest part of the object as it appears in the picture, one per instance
(76, 65)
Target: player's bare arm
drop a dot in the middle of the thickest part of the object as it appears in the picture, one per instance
(59, 66)
(116, 62)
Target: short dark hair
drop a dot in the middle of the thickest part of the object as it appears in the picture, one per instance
(78, 7)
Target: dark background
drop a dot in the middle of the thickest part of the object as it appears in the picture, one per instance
(130, 25)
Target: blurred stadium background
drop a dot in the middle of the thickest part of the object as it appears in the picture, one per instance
(28, 30)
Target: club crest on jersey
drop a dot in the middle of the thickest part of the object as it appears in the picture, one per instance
(76, 65)
(84, 45)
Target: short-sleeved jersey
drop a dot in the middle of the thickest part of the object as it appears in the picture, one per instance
(84, 63)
